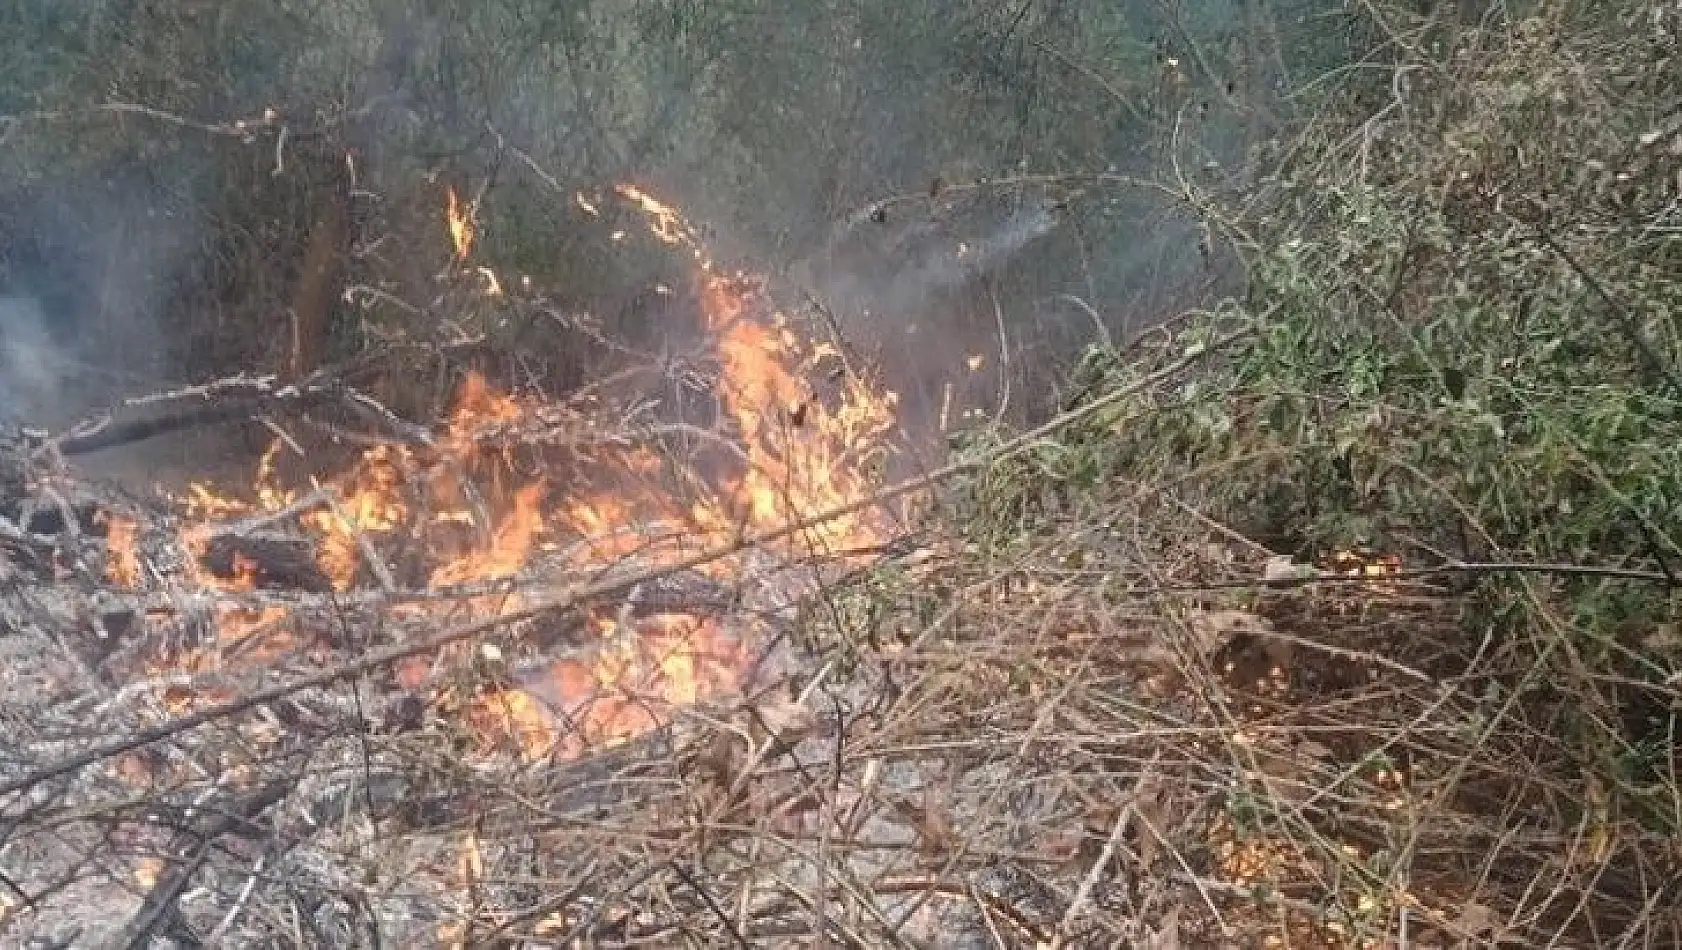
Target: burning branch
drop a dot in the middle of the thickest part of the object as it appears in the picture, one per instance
(460, 222)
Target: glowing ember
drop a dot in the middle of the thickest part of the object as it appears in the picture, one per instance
(514, 717)
(461, 225)
(258, 632)
(147, 872)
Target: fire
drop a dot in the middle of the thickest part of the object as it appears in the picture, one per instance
(122, 564)
(372, 503)
(664, 221)
(479, 410)
(804, 457)
(509, 546)
(460, 222)
(460, 514)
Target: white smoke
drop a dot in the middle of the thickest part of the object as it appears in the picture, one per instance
(890, 269)
(30, 382)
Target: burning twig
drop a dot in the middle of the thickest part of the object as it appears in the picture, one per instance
(843, 347)
(268, 519)
(370, 556)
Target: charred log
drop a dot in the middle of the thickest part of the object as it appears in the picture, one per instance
(270, 559)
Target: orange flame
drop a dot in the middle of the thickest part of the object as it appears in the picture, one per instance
(664, 221)
(372, 501)
(122, 565)
(509, 546)
(462, 516)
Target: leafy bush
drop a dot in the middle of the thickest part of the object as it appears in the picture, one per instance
(1465, 306)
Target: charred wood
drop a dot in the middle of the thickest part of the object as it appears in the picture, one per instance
(160, 914)
(271, 559)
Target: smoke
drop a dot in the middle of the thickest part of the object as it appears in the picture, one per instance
(769, 128)
(29, 361)
(89, 277)
(903, 267)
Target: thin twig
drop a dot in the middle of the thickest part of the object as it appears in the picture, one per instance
(712, 905)
(1084, 892)
(1627, 321)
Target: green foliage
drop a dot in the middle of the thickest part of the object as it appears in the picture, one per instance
(1458, 300)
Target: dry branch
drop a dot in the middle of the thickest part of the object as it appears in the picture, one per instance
(233, 399)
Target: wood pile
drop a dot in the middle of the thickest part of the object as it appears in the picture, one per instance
(111, 626)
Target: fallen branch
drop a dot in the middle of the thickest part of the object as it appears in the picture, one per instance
(234, 399)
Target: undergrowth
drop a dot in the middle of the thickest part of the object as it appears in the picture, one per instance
(1464, 349)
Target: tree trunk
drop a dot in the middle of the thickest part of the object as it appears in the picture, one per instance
(320, 280)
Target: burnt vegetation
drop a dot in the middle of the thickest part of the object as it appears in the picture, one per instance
(1044, 474)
